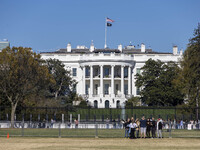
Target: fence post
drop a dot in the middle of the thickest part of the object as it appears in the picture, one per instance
(39, 117)
(70, 118)
(86, 118)
(79, 118)
(175, 113)
(110, 114)
(63, 118)
(153, 111)
(7, 117)
(22, 128)
(170, 129)
(96, 133)
(94, 118)
(59, 131)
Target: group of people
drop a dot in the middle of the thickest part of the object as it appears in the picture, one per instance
(146, 128)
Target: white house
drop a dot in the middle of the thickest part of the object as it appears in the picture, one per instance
(106, 77)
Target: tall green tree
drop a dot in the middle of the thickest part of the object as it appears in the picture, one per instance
(156, 83)
(189, 73)
(64, 84)
(22, 73)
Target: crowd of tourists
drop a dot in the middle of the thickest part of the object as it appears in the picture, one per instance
(143, 128)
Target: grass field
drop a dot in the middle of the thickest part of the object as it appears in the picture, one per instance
(101, 133)
(99, 144)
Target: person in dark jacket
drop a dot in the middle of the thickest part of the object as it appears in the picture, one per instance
(153, 128)
(126, 126)
(148, 128)
(143, 125)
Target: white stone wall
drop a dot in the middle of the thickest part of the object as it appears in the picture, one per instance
(80, 61)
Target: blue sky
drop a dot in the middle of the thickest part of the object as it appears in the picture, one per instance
(46, 25)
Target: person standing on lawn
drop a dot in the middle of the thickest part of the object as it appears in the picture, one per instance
(143, 125)
(159, 128)
(137, 128)
(126, 126)
(132, 126)
(153, 128)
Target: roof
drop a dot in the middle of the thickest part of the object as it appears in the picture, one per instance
(125, 51)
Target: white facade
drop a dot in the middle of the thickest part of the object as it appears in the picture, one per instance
(106, 77)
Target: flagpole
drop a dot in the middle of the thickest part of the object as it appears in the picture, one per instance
(105, 46)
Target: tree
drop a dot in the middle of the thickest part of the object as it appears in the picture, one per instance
(189, 73)
(156, 82)
(133, 101)
(64, 84)
(22, 73)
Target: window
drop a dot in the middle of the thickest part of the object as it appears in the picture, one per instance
(96, 72)
(74, 70)
(137, 91)
(117, 73)
(106, 72)
(107, 104)
(116, 88)
(95, 104)
(138, 70)
(74, 88)
(86, 89)
(96, 89)
(106, 89)
(87, 72)
(126, 89)
(118, 104)
(126, 72)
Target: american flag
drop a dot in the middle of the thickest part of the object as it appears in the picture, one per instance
(109, 20)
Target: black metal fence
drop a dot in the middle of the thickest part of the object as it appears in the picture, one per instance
(171, 129)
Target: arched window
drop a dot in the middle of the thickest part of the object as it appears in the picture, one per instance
(107, 104)
(118, 104)
(95, 104)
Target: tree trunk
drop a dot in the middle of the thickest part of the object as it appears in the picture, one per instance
(56, 94)
(13, 109)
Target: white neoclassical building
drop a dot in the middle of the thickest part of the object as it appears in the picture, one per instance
(106, 77)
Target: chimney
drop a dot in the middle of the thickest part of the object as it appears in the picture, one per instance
(120, 47)
(142, 48)
(69, 47)
(175, 50)
(181, 52)
(92, 47)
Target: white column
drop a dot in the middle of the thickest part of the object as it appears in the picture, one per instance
(122, 81)
(112, 81)
(83, 80)
(91, 81)
(129, 80)
(101, 80)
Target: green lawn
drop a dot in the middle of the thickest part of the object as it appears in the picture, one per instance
(101, 133)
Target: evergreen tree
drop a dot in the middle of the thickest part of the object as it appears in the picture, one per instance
(189, 74)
